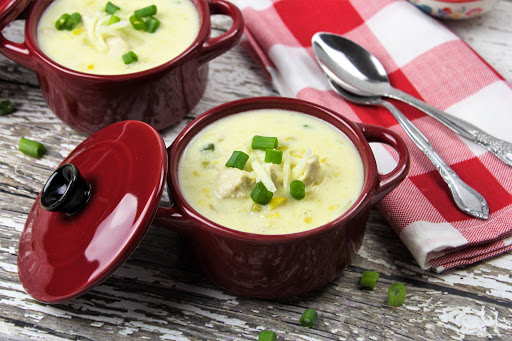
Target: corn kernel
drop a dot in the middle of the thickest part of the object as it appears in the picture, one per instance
(308, 220)
(276, 202)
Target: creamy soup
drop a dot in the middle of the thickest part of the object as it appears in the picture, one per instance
(313, 151)
(97, 47)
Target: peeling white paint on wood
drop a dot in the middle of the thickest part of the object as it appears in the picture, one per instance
(157, 295)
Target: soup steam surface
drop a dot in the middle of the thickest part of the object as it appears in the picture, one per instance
(314, 151)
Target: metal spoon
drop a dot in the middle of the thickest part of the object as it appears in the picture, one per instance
(466, 198)
(358, 71)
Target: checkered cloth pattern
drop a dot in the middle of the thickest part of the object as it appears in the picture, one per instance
(430, 62)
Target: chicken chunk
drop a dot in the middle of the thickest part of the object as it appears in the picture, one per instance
(234, 183)
(312, 170)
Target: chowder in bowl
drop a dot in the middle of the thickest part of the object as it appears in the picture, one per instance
(98, 42)
(310, 150)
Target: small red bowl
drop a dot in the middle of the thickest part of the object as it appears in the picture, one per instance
(78, 234)
(160, 96)
(454, 9)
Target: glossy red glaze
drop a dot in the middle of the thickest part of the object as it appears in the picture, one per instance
(272, 266)
(62, 256)
(160, 96)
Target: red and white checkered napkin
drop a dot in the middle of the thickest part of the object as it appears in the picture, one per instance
(428, 61)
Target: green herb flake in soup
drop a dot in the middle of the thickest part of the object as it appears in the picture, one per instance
(97, 41)
(313, 151)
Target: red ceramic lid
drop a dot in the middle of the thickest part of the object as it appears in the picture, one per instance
(62, 256)
(10, 9)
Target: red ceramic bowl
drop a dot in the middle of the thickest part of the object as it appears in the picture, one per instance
(160, 96)
(272, 266)
(83, 227)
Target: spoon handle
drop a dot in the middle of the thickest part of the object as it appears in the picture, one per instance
(502, 149)
(465, 197)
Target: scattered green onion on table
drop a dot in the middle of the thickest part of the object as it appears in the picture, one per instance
(267, 335)
(369, 280)
(396, 294)
(6, 108)
(309, 318)
(31, 148)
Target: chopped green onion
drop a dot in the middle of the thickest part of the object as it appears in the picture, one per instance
(73, 21)
(297, 189)
(113, 19)
(31, 148)
(110, 8)
(274, 156)
(209, 146)
(267, 335)
(60, 23)
(237, 160)
(130, 57)
(6, 108)
(152, 24)
(396, 294)
(369, 279)
(137, 22)
(146, 11)
(260, 194)
(308, 318)
(264, 142)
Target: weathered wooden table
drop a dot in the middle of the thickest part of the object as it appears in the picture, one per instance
(157, 295)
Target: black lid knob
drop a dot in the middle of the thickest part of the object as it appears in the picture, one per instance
(65, 191)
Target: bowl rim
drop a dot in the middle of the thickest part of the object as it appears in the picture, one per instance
(353, 132)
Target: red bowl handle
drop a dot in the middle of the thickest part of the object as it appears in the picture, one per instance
(387, 182)
(214, 47)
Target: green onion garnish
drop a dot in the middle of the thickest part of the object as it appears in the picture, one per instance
(308, 318)
(113, 19)
(297, 189)
(110, 8)
(6, 108)
(267, 335)
(146, 11)
(369, 280)
(264, 142)
(137, 22)
(31, 148)
(396, 294)
(152, 24)
(260, 194)
(72, 21)
(237, 160)
(274, 156)
(130, 57)
(209, 146)
(60, 23)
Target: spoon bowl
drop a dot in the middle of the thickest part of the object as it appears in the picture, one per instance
(356, 70)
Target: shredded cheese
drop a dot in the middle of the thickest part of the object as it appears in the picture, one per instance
(299, 169)
(263, 176)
